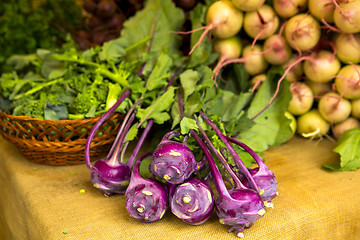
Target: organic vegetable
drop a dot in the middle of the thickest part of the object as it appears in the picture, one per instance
(223, 20)
(255, 62)
(322, 10)
(345, 125)
(192, 201)
(288, 8)
(318, 88)
(26, 26)
(263, 176)
(173, 161)
(245, 5)
(347, 16)
(239, 207)
(295, 71)
(277, 50)
(108, 175)
(312, 125)
(334, 108)
(355, 108)
(302, 98)
(347, 81)
(229, 48)
(262, 23)
(293, 123)
(322, 67)
(302, 32)
(348, 47)
(146, 199)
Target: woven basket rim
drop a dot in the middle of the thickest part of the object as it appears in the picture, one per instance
(58, 151)
(27, 118)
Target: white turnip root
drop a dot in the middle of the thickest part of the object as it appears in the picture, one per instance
(348, 47)
(347, 81)
(246, 5)
(229, 48)
(322, 10)
(355, 108)
(255, 62)
(302, 98)
(288, 8)
(277, 50)
(293, 123)
(347, 16)
(296, 71)
(302, 32)
(319, 88)
(345, 125)
(223, 20)
(333, 108)
(323, 66)
(312, 125)
(262, 23)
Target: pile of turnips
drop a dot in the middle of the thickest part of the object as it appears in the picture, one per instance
(316, 42)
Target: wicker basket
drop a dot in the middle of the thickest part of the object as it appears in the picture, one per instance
(58, 142)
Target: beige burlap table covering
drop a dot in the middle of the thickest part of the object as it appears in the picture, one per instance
(47, 202)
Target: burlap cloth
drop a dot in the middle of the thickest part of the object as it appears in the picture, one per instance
(46, 202)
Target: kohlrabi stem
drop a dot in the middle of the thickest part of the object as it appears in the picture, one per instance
(121, 130)
(236, 157)
(237, 182)
(257, 158)
(137, 163)
(170, 134)
(181, 105)
(140, 143)
(174, 76)
(150, 45)
(114, 158)
(216, 175)
(98, 124)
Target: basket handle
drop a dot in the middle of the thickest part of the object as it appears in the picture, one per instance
(97, 126)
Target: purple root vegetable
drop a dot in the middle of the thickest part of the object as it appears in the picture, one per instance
(239, 207)
(111, 175)
(263, 176)
(108, 175)
(146, 199)
(172, 161)
(192, 201)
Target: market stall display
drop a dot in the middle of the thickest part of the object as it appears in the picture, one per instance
(206, 89)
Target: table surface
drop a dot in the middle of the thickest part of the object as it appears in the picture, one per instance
(59, 202)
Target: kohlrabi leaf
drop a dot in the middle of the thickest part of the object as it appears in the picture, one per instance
(160, 74)
(159, 109)
(187, 124)
(165, 18)
(188, 80)
(132, 133)
(348, 148)
(271, 127)
(113, 50)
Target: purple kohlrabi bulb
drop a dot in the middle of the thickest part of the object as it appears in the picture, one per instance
(242, 209)
(146, 199)
(110, 179)
(192, 201)
(266, 182)
(173, 161)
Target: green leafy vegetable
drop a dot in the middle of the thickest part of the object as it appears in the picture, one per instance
(348, 147)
